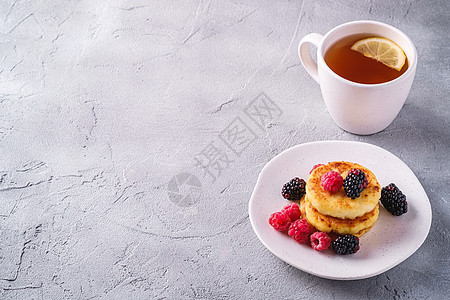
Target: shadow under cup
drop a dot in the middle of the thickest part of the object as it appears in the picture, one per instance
(364, 108)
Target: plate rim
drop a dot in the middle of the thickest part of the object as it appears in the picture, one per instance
(358, 143)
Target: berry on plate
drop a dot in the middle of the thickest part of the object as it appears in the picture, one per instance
(292, 211)
(294, 189)
(331, 181)
(346, 244)
(300, 231)
(315, 167)
(280, 221)
(393, 200)
(320, 241)
(355, 183)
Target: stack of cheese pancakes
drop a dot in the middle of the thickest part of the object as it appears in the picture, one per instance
(336, 212)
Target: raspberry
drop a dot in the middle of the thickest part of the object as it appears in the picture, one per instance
(346, 244)
(292, 211)
(393, 200)
(320, 241)
(315, 167)
(332, 181)
(280, 221)
(355, 183)
(294, 189)
(300, 231)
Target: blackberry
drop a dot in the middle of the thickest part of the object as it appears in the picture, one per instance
(346, 244)
(355, 183)
(294, 189)
(393, 200)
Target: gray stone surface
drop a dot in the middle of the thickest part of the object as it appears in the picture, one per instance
(106, 106)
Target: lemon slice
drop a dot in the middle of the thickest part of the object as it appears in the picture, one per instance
(382, 50)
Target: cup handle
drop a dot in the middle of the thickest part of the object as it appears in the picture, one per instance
(305, 56)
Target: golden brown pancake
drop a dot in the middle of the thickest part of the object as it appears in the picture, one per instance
(357, 226)
(339, 205)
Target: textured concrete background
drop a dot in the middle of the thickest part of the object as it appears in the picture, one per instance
(106, 107)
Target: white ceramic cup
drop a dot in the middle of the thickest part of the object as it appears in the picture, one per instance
(355, 107)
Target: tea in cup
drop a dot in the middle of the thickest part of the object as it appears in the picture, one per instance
(363, 91)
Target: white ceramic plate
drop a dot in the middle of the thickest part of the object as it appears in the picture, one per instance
(391, 240)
